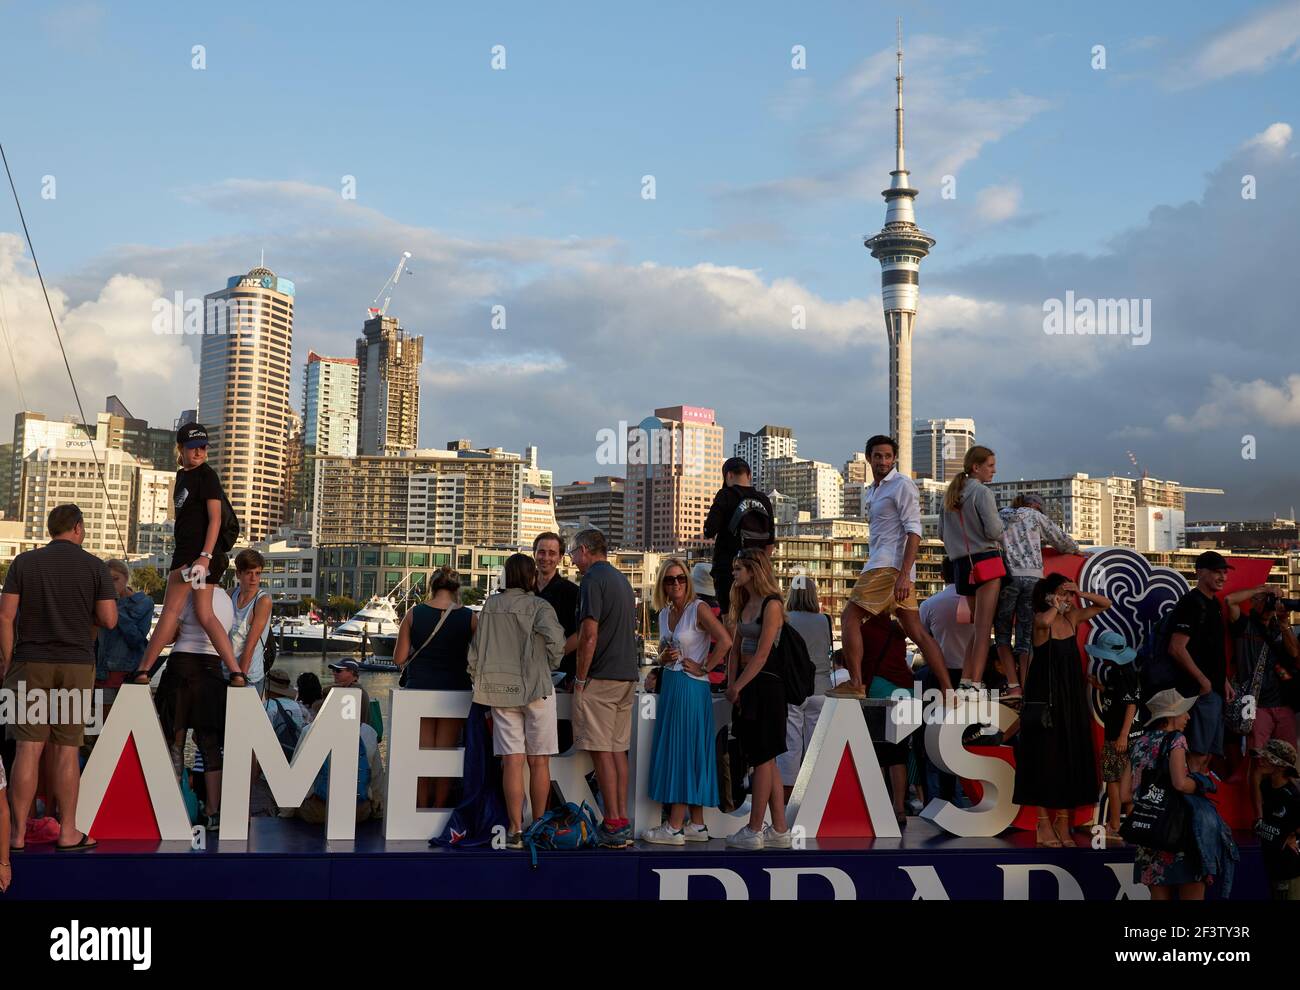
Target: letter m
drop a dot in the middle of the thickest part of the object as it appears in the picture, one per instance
(332, 735)
(1112, 316)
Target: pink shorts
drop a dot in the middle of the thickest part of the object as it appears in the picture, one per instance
(1272, 723)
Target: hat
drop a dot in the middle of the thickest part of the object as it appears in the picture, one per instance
(191, 435)
(278, 684)
(1168, 703)
(1212, 560)
(352, 665)
(1280, 753)
(702, 580)
(1110, 645)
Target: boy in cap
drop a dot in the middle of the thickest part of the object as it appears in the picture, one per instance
(1279, 826)
(1121, 694)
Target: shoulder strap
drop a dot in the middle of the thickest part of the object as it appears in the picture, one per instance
(445, 613)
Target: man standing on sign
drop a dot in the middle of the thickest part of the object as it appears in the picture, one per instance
(887, 582)
(740, 518)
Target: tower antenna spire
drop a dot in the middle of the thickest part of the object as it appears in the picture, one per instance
(898, 113)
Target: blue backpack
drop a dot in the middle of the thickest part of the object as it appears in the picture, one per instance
(569, 827)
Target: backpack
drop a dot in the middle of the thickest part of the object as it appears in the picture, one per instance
(229, 531)
(792, 663)
(288, 732)
(569, 827)
(269, 649)
(1156, 668)
(751, 524)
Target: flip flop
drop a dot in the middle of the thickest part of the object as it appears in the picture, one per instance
(86, 843)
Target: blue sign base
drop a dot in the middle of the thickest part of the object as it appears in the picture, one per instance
(289, 859)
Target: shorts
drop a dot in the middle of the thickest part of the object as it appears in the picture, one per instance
(602, 716)
(528, 730)
(192, 695)
(1272, 723)
(1113, 763)
(1204, 730)
(874, 592)
(962, 567)
(759, 722)
(216, 566)
(1016, 609)
(58, 717)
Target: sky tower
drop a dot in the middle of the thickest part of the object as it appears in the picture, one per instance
(899, 247)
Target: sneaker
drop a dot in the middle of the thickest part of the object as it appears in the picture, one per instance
(772, 839)
(608, 838)
(664, 835)
(846, 690)
(745, 838)
(695, 833)
(515, 840)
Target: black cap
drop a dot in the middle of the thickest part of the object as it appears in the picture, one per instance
(191, 435)
(351, 665)
(1212, 560)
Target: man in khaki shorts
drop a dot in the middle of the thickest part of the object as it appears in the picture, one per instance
(606, 679)
(887, 582)
(53, 598)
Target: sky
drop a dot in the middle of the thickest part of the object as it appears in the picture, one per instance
(1114, 151)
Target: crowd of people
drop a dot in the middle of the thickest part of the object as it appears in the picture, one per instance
(70, 620)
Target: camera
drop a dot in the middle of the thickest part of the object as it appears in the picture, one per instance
(1271, 599)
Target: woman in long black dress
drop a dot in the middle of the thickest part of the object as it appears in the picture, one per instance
(1056, 764)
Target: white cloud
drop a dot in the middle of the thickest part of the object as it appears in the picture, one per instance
(1232, 403)
(1255, 44)
(994, 204)
(1275, 138)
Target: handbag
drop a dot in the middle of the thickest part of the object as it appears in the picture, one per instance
(1235, 716)
(1038, 714)
(990, 567)
(1159, 819)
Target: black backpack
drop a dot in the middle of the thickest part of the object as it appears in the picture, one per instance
(790, 661)
(229, 531)
(751, 524)
(1156, 668)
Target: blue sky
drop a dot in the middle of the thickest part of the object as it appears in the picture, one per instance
(523, 186)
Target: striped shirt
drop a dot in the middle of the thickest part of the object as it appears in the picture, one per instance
(57, 587)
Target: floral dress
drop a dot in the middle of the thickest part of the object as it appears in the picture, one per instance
(1158, 868)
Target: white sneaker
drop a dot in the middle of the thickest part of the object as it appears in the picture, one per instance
(695, 833)
(772, 839)
(745, 838)
(663, 835)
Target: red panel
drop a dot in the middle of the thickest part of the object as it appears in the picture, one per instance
(127, 811)
(846, 812)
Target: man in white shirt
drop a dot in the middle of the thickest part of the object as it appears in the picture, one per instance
(887, 582)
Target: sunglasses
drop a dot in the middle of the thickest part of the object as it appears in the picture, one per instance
(675, 579)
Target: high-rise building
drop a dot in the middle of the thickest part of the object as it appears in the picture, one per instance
(760, 448)
(388, 387)
(457, 495)
(244, 375)
(154, 520)
(674, 468)
(594, 504)
(816, 486)
(857, 468)
(536, 500)
(155, 445)
(939, 447)
(899, 247)
(330, 390)
(65, 471)
(32, 430)
(7, 509)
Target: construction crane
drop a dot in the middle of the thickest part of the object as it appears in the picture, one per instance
(389, 286)
(1185, 489)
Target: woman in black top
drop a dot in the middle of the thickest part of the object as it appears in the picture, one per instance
(435, 657)
(196, 565)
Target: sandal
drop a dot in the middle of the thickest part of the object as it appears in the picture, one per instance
(1061, 826)
(1052, 841)
(86, 844)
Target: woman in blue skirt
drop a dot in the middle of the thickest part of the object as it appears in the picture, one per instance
(683, 763)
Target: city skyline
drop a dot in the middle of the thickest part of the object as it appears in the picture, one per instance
(613, 303)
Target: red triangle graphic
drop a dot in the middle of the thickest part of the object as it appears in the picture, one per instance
(126, 811)
(846, 814)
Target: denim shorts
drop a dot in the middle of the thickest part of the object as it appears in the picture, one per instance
(1016, 607)
(1205, 727)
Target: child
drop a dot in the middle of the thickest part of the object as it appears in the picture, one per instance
(1121, 692)
(1280, 824)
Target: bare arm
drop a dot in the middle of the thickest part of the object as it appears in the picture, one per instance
(1098, 604)
(1178, 774)
(708, 623)
(772, 618)
(8, 612)
(256, 626)
(1235, 599)
(587, 633)
(106, 613)
(403, 645)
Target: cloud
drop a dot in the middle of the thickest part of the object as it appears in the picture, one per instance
(995, 204)
(1232, 403)
(1255, 44)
